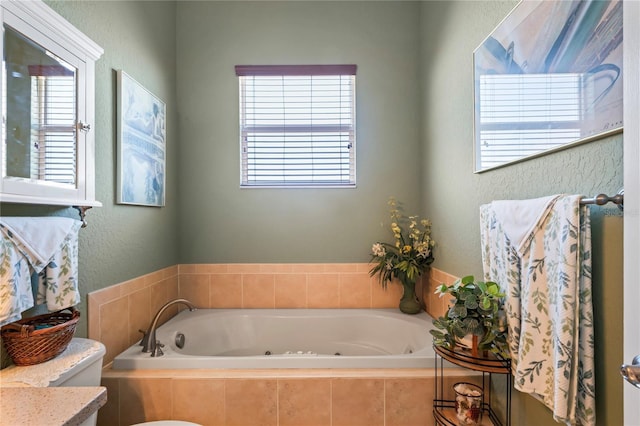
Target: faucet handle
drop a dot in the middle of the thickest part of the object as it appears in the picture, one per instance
(158, 351)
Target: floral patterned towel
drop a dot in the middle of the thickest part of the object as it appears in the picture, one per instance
(47, 246)
(547, 278)
(16, 295)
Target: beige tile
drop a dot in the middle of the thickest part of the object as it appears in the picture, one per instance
(198, 400)
(144, 400)
(290, 290)
(251, 402)
(355, 290)
(276, 268)
(114, 327)
(172, 285)
(357, 402)
(304, 402)
(93, 318)
(307, 268)
(109, 414)
(160, 294)
(243, 268)
(363, 267)
(195, 288)
(132, 286)
(186, 268)
(435, 306)
(139, 313)
(211, 268)
(407, 402)
(154, 277)
(426, 293)
(106, 294)
(436, 275)
(340, 267)
(225, 291)
(388, 297)
(258, 291)
(323, 291)
(171, 271)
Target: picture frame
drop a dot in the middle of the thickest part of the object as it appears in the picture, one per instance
(548, 77)
(141, 144)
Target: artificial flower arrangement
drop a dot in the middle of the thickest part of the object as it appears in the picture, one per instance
(407, 258)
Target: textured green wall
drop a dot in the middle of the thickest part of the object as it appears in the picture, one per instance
(414, 129)
(223, 223)
(453, 193)
(122, 242)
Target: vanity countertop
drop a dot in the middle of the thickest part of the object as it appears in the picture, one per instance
(62, 406)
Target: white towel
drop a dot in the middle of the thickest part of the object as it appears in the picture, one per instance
(41, 237)
(546, 273)
(519, 219)
(50, 246)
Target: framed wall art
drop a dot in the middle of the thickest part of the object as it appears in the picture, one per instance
(548, 77)
(141, 144)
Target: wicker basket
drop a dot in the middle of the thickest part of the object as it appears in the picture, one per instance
(38, 339)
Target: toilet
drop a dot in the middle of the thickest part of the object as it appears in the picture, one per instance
(86, 372)
(79, 365)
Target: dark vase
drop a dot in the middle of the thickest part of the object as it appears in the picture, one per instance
(409, 303)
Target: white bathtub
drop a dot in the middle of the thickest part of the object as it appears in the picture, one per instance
(289, 338)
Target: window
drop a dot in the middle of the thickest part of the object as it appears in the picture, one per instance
(53, 115)
(526, 114)
(297, 125)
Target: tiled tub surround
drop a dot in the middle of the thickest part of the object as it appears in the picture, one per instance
(380, 397)
(259, 397)
(116, 313)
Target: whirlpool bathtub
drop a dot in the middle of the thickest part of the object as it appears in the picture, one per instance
(288, 338)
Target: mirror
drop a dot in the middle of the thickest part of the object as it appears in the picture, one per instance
(548, 77)
(39, 130)
(47, 104)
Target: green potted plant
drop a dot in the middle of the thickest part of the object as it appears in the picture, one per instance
(476, 310)
(407, 258)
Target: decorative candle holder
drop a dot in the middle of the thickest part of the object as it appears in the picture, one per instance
(468, 404)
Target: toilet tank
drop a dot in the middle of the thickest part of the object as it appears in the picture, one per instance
(87, 370)
(79, 365)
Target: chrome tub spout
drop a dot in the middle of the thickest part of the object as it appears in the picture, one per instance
(149, 342)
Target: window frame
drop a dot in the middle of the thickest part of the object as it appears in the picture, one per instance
(337, 130)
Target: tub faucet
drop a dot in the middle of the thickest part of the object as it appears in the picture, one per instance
(149, 342)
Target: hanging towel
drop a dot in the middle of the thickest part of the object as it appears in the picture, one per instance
(50, 246)
(540, 252)
(16, 295)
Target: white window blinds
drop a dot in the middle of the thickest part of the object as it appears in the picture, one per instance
(525, 114)
(53, 118)
(297, 125)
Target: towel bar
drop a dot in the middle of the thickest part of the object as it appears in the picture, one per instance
(602, 199)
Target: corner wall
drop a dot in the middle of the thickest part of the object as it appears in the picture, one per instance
(224, 224)
(451, 31)
(123, 241)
